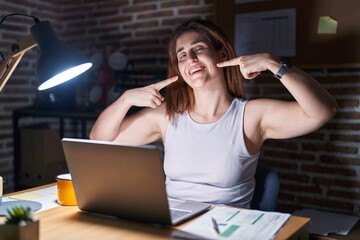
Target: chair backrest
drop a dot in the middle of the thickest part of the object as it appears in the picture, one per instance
(266, 189)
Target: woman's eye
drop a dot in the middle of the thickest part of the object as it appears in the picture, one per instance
(199, 49)
(181, 57)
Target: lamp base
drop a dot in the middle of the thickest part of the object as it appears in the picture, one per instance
(34, 206)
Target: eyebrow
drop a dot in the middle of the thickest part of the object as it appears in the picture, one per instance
(198, 40)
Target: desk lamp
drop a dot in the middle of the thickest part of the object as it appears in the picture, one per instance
(58, 62)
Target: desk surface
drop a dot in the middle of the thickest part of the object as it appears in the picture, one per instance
(71, 223)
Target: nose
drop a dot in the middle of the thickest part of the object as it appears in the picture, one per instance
(193, 56)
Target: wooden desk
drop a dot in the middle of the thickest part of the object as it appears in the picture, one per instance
(70, 223)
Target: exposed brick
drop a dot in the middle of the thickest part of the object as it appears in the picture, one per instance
(340, 160)
(115, 37)
(286, 196)
(140, 25)
(284, 144)
(329, 148)
(292, 156)
(344, 194)
(339, 206)
(318, 136)
(293, 177)
(348, 103)
(100, 30)
(112, 4)
(12, 28)
(337, 182)
(139, 8)
(344, 126)
(10, 8)
(70, 11)
(156, 14)
(275, 91)
(343, 137)
(297, 188)
(152, 33)
(337, 80)
(141, 42)
(119, 19)
(103, 13)
(317, 169)
(174, 21)
(345, 91)
(175, 4)
(348, 115)
(198, 10)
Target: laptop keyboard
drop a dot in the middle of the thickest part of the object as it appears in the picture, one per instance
(175, 214)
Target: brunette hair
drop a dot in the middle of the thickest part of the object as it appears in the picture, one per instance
(179, 96)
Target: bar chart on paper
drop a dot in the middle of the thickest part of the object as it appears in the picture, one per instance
(224, 222)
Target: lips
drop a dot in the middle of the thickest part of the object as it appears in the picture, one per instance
(195, 69)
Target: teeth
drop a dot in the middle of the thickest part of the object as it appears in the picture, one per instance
(192, 71)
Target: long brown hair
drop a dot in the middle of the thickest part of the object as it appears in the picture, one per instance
(179, 96)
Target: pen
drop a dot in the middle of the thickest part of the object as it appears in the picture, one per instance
(215, 225)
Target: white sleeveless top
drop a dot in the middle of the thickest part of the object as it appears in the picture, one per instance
(209, 162)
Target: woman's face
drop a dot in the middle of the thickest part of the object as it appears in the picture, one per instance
(197, 60)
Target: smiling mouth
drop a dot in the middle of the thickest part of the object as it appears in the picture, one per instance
(196, 69)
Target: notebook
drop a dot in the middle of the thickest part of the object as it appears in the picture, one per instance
(125, 181)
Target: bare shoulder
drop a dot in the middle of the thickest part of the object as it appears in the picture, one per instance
(144, 126)
(262, 105)
(255, 107)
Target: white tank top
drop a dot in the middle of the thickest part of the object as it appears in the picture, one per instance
(209, 162)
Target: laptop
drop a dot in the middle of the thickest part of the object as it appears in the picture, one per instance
(125, 181)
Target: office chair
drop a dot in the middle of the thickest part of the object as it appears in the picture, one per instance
(266, 189)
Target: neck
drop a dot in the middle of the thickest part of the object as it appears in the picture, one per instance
(210, 106)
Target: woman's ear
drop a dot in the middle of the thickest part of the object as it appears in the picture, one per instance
(223, 55)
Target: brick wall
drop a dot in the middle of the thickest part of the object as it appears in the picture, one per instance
(319, 170)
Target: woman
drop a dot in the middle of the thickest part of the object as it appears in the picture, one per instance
(212, 136)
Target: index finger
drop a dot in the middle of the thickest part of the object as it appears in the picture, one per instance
(160, 85)
(231, 62)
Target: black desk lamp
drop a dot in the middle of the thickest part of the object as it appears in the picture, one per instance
(58, 62)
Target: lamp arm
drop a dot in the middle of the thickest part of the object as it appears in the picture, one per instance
(15, 54)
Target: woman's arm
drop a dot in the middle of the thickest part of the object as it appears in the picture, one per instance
(284, 119)
(142, 127)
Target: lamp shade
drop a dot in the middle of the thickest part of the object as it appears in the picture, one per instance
(58, 62)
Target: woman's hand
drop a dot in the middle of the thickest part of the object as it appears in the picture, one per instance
(112, 125)
(148, 96)
(252, 65)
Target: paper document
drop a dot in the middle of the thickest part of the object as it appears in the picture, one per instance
(269, 31)
(224, 222)
(327, 25)
(324, 223)
(47, 197)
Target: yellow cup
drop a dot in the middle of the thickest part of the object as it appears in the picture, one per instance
(65, 190)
